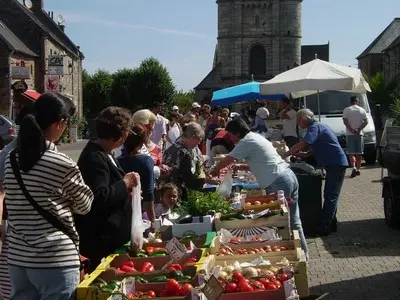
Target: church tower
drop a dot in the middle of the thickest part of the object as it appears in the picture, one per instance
(255, 37)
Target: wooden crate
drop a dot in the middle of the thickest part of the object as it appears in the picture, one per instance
(297, 261)
(292, 246)
(281, 221)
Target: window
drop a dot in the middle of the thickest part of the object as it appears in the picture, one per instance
(257, 60)
(257, 21)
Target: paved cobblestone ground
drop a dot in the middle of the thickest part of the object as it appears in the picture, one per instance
(361, 260)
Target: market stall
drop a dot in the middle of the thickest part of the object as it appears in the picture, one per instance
(212, 247)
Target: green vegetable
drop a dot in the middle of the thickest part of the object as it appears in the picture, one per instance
(141, 255)
(99, 280)
(177, 275)
(140, 279)
(159, 279)
(237, 215)
(200, 204)
(116, 282)
(159, 253)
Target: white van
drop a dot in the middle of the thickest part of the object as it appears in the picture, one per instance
(332, 104)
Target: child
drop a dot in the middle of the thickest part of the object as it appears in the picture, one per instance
(173, 129)
(168, 199)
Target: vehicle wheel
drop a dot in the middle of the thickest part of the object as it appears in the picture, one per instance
(391, 210)
(370, 158)
(1, 144)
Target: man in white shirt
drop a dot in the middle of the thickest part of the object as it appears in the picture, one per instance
(160, 127)
(355, 119)
(288, 117)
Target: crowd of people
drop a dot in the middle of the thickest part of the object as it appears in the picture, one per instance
(91, 200)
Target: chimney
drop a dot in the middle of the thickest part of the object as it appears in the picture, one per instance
(62, 27)
(37, 4)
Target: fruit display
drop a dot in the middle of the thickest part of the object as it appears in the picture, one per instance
(226, 250)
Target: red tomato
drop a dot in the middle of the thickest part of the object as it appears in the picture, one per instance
(283, 277)
(152, 294)
(231, 288)
(257, 285)
(264, 281)
(237, 276)
(244, 286)
(277, 283)
(131, 296)
(185, 289)
(172, 286)
(271, 277)
(270, 287)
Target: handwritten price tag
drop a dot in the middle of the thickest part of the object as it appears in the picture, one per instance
(213, 289)
(175, 249)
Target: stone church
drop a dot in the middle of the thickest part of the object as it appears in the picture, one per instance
(256, 39)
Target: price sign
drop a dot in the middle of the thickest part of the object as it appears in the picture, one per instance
(129, 285)
(175, 249)
(213, 289)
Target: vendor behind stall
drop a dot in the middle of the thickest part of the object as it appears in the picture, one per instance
(328, 153)
(270, 170)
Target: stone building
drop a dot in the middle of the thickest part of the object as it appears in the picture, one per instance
(372, 60)
(255, 37)
(391, 60)
(17, 64)
(58, 66)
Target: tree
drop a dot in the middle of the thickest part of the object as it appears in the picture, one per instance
(120, 91)
(183, 100)
(151, 83)
(96, 90)
(382, 95)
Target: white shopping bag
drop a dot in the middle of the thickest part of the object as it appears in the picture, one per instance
(225, 188)
(138, 224)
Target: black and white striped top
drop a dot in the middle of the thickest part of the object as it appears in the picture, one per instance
(56, 184)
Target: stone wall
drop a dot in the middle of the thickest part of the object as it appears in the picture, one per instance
(70, 82)
(371, 64)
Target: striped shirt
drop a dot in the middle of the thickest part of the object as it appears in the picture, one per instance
(56, 184)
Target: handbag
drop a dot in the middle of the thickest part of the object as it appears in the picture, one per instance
(49, 217)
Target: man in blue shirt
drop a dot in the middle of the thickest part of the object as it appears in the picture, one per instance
(329, 154)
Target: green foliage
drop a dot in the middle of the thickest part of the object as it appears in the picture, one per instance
(96, 92)
(200, 204)
(183, 100)
(130, 88)
(121, 94)
(151, 83)
(395, 108)
(383, 92)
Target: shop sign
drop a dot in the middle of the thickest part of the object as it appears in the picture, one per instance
(20, 73)
(20, 86)
(52, 83)
(56, 65)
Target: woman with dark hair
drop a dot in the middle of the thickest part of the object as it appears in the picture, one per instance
(134, 161)
(108, 225)
(271, 171)
(5, 283)
(42, 184)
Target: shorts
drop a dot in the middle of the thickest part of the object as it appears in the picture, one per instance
(355, 144)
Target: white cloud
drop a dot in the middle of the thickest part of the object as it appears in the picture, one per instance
(86, 19)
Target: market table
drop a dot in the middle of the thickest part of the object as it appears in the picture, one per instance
(241, 185)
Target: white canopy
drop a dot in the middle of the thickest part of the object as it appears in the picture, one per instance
(316, 76)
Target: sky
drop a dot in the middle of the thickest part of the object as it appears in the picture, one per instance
(181, 34)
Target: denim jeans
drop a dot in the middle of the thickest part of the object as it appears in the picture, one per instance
(333, 185)
(287, 182)
(43, 284)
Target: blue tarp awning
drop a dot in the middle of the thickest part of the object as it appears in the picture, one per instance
(240, 93)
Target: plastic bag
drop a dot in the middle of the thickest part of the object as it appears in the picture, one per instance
(138, 224)
(225, 188)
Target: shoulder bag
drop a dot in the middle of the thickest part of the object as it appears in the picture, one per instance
(49, 217)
